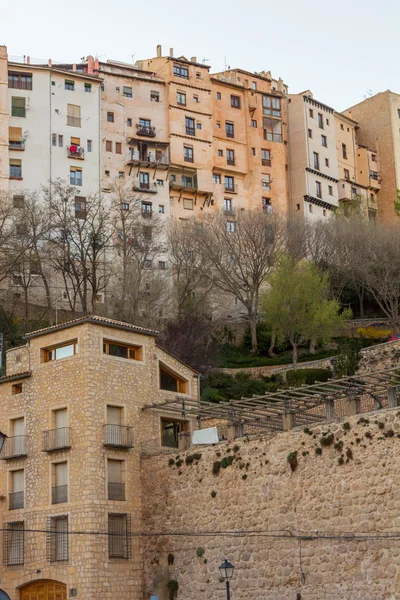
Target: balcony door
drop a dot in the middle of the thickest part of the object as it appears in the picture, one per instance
(18, 426)
(114, 422)
(61, 424)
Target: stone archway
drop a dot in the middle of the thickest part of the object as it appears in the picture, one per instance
(45, 589)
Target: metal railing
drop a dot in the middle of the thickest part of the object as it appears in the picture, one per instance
(14, 145)
(118, 436)
(16, 500)
(59, 493)
(230, 161)
(147, 214)
(231, 189)
(19, 85)
(266, 162)
(56, 439)
(116, 491)
(79, 153)
(145, 130)
(14, 446)
(272, 137)
(150, 157)
(190, 131)
(74, 121)
(144, 186)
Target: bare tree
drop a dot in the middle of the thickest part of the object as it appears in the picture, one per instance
(241, 252)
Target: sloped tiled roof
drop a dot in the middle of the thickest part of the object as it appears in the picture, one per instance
(92, 319)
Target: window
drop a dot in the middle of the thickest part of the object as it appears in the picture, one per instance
(107, 173)
(69, 85)
(121, 350)
(127, 91)
(229, 129)
(266, 158)
(198, 125)
(231, 226)
(320, 120)
(88, 87)
(188, 204)
(57, 544)
(170, 430)
(253, 85)
(180, 71)
(189, 124)
(310, 133)
(266, 181)
(59, 490)
(13, 543)
(187, 181)
(324, 209)
(327, 122)
(161, 209)
(16, 496)
(15, 168)
(195, 98)
(344, 150)
(108, 146)
(147, 264)
(144, 180)
(267, 205)
(89, 145)
(160, 182)
(353, 191)
(229, 183)
(318, 189)
(80, 207)
(324, 141)
(327, 162)
(60, 141)
(253, 123)
(154, 96)
(118, 147)
(170, 381)
(330, 190)
(61, 351)
(235, 101)
(20, 81)
(147, 209)
(218, 95)
(272, 130)
(54, 139)
(216, 178)
(198, 75)
(73, 115)
(316, 160)
(18, 201)
(227, 204)
(125, 205)
(272, 106)
(119, 536)
(75, 176)
(162, 265)
(342, 126)
(110, 117)
(188, 153)
(373, 157)
(129, 122)
(218, 124)
(297, 206)
(230, 157)
(253, 151)
(115, 483)
(220, 152)
(311, 112)
(346, 173)
(181, 98)
(18, 108)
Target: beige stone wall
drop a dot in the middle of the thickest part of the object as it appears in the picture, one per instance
(84, 384)
(261, 509)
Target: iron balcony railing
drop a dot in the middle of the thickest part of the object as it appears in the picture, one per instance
(76, 152)
(116, 491)
(144, 186)
(149, 157)
(231, 188)
(14, 447)
(147, 214)
(56, 439)
(266, 162)
(118, 436)
(20, 84)
(59, 493)
(16, 145)
(146, 130)
(16, 500)
(190, 131)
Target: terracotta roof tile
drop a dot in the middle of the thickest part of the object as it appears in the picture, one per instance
(92, 319)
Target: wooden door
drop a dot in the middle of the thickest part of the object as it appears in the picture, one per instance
(44, 590)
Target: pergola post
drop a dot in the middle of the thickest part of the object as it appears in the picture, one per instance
(288, 421)
(392, 397)
(330, 408)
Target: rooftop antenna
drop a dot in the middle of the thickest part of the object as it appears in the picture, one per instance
(227, 67)
(368, 94)
(205, 60)
(132, 55)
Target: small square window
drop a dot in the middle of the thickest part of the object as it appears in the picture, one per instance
(88, 87)
(160, 182)
(195, 98)
(324, 210)
(198, 125)
(327, 162)
(107, 173)
(220, 152)
(310, 133)
(253, 151)
(129, 122)
(218, 124)
(127, 92)
(216, 178)
(330, 188)
(218, 95)
(155, 96)
(342, 127)
(161, 209)
(121, 174)
(311, 112)
(16, 388)
(110, 117)
(69, 85)
(254, 123)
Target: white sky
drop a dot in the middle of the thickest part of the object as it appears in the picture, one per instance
(339, 49)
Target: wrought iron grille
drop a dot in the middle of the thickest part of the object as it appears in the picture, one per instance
(119, 536)
(14, 446)
(118, 436)
(59, 493)
(56, 439)
(116, 491)
(57, 539)
(16, 500)
(13, 544)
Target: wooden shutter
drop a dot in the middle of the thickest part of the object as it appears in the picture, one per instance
(15, 134)
(114, 471)
(60, 418)
(18, 481)
(15, 162)
(75, 141)
(61, 474)
(73, 111)
(114, 415)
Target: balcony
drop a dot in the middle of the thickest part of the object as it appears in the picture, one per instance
(56, 439)
(375, 180)
(14, 447)
(59, 493)
(74, 121)
(266, 162)
(145, 130)
(16, 500)
(144, 186)
(16, 145)
(229, 212)
(149, 159)
(272, 137)
(190, 131)
(183, 182)
(116, 491)
(231, 189)
(118, 436)
(147, 214)
(76, 152)
(230, 161)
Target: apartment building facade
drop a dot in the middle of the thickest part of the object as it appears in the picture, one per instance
(379, 120)
(71, 462)
(53, 127)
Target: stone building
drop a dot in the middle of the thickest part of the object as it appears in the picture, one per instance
(71, 403)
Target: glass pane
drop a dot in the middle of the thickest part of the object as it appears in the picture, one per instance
(65, 351)
(117, 350)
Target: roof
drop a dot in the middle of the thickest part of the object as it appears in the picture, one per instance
(21, 375)
(183, 59)
(178, 359)
(54, 69)
(97, 320)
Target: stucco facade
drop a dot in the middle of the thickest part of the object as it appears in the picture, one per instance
(86, 387)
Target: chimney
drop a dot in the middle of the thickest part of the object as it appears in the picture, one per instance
(194, 59)
(50, 63)
(90, 63)
(280, 85)
(171, 52)
(74, 67)
(159, 51)
(28, 60)
(96, 64)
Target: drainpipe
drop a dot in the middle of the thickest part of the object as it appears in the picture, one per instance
(50, 137)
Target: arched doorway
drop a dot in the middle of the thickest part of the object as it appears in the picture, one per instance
(44, 590)
(4, 596)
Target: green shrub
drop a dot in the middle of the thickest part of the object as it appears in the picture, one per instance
(307, 376)
(346, 426)
(327, 439)
(173, 587)
(189, 459)
(213, 493)
(197, 455)
(292, 460)
(200, 552)
(244, 476)
(226, 461)
(216, 467)
(318, 451)
(340, 460)
(171, 462)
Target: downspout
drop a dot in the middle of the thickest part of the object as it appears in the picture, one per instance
(99, 138)
(50, 138)
(308, 155)
(291, 208)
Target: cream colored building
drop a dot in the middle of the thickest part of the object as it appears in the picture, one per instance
(313, 164)
(71, 403)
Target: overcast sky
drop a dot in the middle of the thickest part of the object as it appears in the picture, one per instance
(341, 50)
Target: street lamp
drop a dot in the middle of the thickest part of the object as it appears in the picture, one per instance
(226, 570)
(2, 440)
